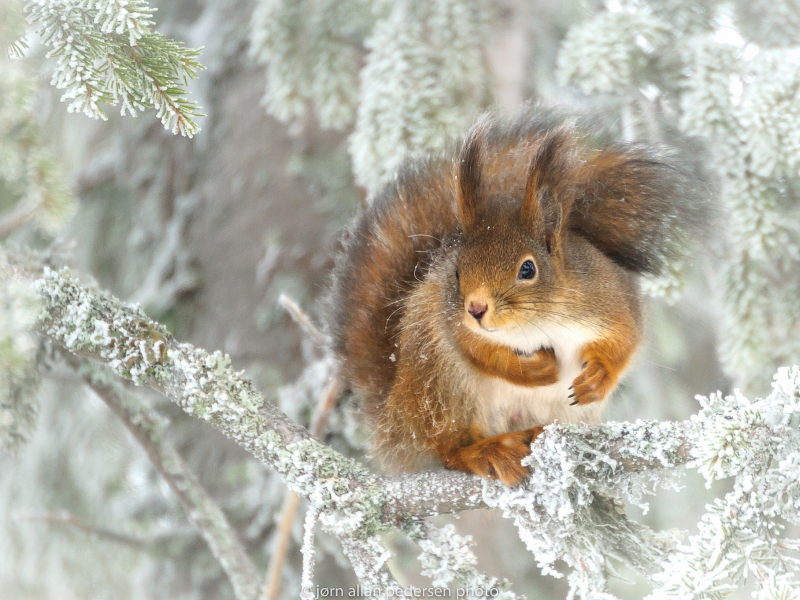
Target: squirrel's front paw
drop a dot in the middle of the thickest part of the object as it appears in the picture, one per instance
(545, 366)
(592, 385)
(499, 457)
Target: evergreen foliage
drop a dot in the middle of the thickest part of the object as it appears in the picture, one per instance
(29, 174)
(19, 376)
(107, 53)
(311, 49)
(401, 75)
(424, 68)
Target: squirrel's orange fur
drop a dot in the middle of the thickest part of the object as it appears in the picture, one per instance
(492, 291)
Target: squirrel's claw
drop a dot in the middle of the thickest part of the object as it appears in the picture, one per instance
(592, 385)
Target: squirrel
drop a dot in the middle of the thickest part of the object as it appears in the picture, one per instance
(493, 290)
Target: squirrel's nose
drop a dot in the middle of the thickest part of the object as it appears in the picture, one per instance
(477, 309)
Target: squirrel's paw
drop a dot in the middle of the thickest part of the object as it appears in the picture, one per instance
(499, 457)
(592, 385)
(544, 366)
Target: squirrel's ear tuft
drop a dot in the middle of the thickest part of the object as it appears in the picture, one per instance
(468, 187)
(549, 190)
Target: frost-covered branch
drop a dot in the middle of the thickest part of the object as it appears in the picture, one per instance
(107, 53)
(148, 428)
(568, 509)
(447, 558)
(369, 559)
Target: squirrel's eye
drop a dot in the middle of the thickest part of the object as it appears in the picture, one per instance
(457, 277)
(527, 270)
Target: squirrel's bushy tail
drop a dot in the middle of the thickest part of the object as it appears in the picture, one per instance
(384, 252)
(639, 204)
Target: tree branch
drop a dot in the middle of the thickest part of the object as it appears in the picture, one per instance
(161, 545)
(96, 325)
(102, 533)
(291, 503)
(353, 503)
(148, 428)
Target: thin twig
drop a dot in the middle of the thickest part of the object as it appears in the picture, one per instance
(272, 582)
(303, 320)
(147, 427)
(163, 545)
(93, 530)
(327, 402)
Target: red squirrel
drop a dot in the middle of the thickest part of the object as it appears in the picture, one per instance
(493, 290)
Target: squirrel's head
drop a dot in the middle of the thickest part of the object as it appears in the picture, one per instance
(510, 267)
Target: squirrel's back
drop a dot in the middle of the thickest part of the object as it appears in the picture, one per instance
(632, 202)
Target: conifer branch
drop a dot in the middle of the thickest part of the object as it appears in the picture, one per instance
(106, 53)
(148, 428)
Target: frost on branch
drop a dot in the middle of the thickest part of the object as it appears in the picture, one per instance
(96, 325)
(567, 510)
(27, 168)
(447, 558)
(570, 508)
(610, 52)
(402, 97)
(758, 444)
(107, 53)
(707, 104)
(769, 114)
(311, 51)
(423, 71)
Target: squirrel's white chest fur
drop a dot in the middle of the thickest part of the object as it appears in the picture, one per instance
(504, 406)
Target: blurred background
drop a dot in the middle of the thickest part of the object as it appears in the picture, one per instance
(308, 105)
